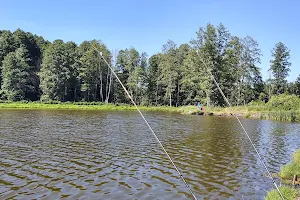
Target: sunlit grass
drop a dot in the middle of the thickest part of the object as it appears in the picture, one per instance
(288, 171)
(289, 193)
(296, 157)
(253, 110)
(82, 106)
(286, 175)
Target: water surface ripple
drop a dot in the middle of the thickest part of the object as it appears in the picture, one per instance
(112, 155)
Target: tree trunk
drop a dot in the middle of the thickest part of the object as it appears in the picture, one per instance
(178, 89)
(239, 95)
(74, 94)
(170, 97)
(88, 93)
(101, 84)
(156, 93)
(270, 88)
(95, 95)
(136, 93)
(106, 86)
(207, 99)
(65, 94)
(109, 88)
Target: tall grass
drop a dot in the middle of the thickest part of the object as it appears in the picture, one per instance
(286, 175)
(296, 157)
(281, 108)
(288, 193)
(81, 106)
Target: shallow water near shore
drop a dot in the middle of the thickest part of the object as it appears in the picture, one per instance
(54, 154)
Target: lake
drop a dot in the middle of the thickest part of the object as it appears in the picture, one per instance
(54, 154)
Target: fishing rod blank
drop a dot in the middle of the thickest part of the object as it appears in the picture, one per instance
(171, 160)
(229, 104)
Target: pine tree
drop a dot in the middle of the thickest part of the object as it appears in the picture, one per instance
(280, 67)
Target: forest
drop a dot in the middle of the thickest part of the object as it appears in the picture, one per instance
(35, 69)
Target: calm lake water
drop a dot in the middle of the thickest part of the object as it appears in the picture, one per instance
(46, 154)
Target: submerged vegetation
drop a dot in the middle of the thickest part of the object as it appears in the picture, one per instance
(286, 175)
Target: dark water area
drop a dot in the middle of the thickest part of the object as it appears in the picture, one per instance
(48, 154)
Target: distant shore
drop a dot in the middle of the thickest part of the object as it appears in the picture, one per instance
(240, 111)
(82, 106)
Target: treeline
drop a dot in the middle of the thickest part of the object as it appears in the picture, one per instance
(32, 68)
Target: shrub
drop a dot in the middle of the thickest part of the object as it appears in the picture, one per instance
(289, 170)
(284, 102)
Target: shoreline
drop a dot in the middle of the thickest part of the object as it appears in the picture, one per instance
(240, 111)
(288, 176)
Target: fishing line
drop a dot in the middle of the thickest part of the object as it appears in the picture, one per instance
(225, 98)
(177, 170)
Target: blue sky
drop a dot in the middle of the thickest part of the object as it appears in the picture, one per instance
(147, 25)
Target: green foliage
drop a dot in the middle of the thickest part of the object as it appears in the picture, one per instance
(32, 68)
(289, 170)
(153, 88)
(168, 69)
(18, 77)
(296, 157)
(59, 71)
(231, 60)
(288, 193)
(133, 66)
(287, 173)
(284, 102)
(280, 67)
(263, 97)
(93, 71)
(297, 86)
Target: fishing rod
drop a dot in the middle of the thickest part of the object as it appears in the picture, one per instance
(126, 91)
(246, 133)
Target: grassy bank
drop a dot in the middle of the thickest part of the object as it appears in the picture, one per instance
(286, 175)
(258, 113)
(242, 111)
(281, 108)
(82, 106)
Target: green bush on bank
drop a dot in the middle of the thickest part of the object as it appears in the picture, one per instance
(296, 157)
(289, 170)
(284, 102)
(286, 174)
(289, 193)
(283, 107)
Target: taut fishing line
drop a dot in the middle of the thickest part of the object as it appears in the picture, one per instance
(244, 130)
(171, 160)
